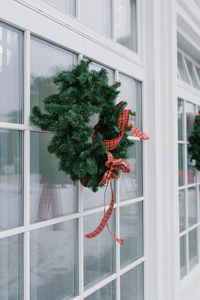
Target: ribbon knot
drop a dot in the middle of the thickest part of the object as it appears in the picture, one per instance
(114, 164)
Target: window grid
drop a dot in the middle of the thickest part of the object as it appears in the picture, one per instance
(185, 187)
(77, 15)
(195, 65)
(28, 227)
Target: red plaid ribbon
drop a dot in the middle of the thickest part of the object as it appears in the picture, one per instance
(114, 165)
(198, 115)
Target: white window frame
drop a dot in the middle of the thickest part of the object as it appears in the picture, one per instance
(39, 23)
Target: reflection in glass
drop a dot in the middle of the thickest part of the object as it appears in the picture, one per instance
(97, 15)
(183, 256)
(193, 248)
(11, 268)
(131, 184)
(182, 211)
(180, 120)
(126, 23)
(66, 6)
(182, 68)
(192, 73)
(131, 92)
(53, 194)
(190, 113)
(99, 252)
(132, 284)
(192, 206)
(108, 292)
(11, 74)
(54, 270)
(191, 170)
(11, 179)
(131, 231)
(181, 160)
(46, 61)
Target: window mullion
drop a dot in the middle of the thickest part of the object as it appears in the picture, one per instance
(26, 165)
(77, 13)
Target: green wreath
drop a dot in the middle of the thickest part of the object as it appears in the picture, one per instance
(194, 139)
(83, 96)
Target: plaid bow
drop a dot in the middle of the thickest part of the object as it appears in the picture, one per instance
(114, 165)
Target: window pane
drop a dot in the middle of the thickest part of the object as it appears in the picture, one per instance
(131, 92)
(107, 292)
(97, 15)
(193, 248)
(181, 164)
(46, 61)
(132, 284)
(192, 173)
(131, 231)
(54, 273)
(11, 74)
(190, 113)
(192, 206)
(11, 179)
(53, 194)
(182, 211)
(92, 200)
(182, 68)
(183, 256)
(67, 6)
(180, 120)
(198, 71)
(192, 73)
(131, 184)
(99, 252)
(126, 23)
(11, 268)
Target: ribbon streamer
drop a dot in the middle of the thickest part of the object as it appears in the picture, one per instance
(114, 165)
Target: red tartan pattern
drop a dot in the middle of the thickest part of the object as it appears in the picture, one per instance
(114, 165)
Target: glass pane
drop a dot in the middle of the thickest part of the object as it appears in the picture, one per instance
(46, 61)
(180, 120)
(107, 292)
(182, 68)
(99, 252)
(131, 231)
(11, 74)
(193, 248)
(126, 23)
(191, 70)
(131, 184)
(181, 168)
(190, 113)
(131, 92)
(132, 284)
(11, 179)
(183, 256)
(191, 170)
(97, 15)
(93, 200)
(54, 270)
(67, 6)
(182, 211)
(192, 206)
(198, 71)
(11, 268)
(53, 194)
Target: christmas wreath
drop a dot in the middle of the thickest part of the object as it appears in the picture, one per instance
(194, 140)
(91, 155)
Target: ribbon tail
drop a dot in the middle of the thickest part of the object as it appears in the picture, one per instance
(137, 132)
(105, 219)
